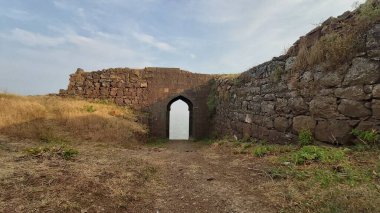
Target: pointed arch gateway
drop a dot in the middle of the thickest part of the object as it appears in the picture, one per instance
(168, 108)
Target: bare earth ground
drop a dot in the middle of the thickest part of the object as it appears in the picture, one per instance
(179, 176)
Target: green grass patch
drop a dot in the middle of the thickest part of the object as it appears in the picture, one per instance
(242, 148)
(60, 151)
(309, 154)
(261, 150)
(305, 137)
(368, 137)
(90, 108)
(316, 178)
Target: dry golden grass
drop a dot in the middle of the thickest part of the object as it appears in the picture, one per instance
(101, 178)
(229, 76)
(53, 118)
(332, 50)
(340, 45)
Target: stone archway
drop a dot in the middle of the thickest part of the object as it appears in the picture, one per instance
(190, 105)
(150, 90)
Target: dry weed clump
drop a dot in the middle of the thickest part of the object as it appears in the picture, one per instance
(49, 118)
(339, 46)
(331, 50)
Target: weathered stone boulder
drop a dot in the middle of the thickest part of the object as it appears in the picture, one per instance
(247, 133)
(297, 105)
(376, 91)
(353, 93)
(254, 107)
(306, 77)
(376, 109)
(363, 71)
(254, 90)
(354, 109)
(368, 125)
(281, 124)
(282, 105)
(326, 92)
(244, 105)
(279, 137)
(258, 119)
(248, 118)
(267, 107)
(373, 37)
(303, 123)
(269, 97)
(323, 107)
(368, 89)
(333, 131)
(267, 88)
(373, 42)
(330, 79)
(267, 122)
(289, 63)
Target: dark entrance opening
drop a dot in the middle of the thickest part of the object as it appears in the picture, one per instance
(170, 127)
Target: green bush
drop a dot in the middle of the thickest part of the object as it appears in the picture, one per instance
(367, 137)
(305, 137)
(261, 150)
(68, 154)
(60, 151)
(318, 154)
(90, 108)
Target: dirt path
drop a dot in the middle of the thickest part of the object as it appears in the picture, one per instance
(180, 176)
(198, 179)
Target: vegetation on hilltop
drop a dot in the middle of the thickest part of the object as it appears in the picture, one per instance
(343, 40)
(54, 119)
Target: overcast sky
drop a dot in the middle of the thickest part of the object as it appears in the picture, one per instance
(42, 42)
(179, 121)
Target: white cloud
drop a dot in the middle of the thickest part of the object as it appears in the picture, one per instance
(32, 39)
(99, 42)
(60, 4)
(152, 41)
(17, 14)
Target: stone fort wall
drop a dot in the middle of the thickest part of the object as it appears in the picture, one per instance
(271, 102)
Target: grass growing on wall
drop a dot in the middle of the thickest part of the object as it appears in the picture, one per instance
(212, 101)
(334, 49)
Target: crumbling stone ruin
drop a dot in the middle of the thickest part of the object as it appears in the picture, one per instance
(272, 101)
(151, 90)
